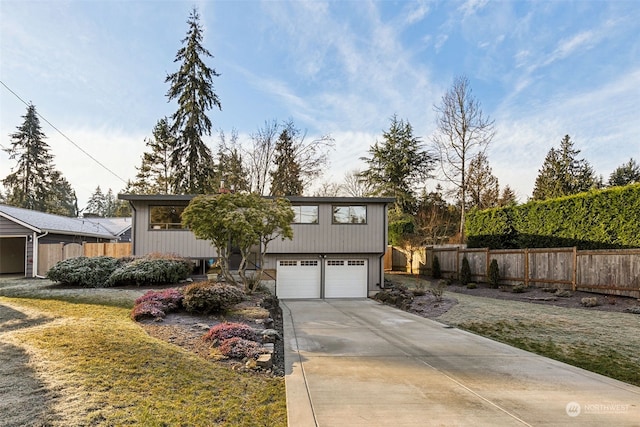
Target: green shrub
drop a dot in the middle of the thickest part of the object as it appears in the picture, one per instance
(465, 272)
(494, 274)
(83, 271)
(436, 273)
(519, 288)
(211, 297)
(145, 271)
(472, 285)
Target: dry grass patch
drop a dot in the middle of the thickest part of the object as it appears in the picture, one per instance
(604, 342)
(110, 372)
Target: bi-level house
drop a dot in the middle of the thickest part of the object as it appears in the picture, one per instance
(337, 248)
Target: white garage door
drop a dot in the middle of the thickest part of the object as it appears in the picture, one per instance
(298, 279)
(345, 278)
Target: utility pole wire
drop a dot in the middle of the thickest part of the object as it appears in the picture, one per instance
(65, 136)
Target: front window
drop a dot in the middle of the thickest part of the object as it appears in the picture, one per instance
(305, 214)
(166, 218)
(350, 214)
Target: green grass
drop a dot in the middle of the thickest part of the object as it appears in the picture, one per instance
(96, 355)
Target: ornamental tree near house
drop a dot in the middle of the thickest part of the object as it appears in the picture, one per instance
(241, 220)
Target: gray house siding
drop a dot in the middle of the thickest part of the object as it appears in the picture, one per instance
(183, 242)
(326, 237)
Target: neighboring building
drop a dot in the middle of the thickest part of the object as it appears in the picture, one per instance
(23, 231)
(120, 227)
(337, 248)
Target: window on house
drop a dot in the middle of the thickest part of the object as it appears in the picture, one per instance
(356, 214)
(166, 217)
(305, 214)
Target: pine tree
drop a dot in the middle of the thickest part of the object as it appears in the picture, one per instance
(192, 86)
(34, 182)
(230, 168)
(625, 174)
(285, 179)
(562, 174)
(96, 204)
(483, 189)
(62, 198)
(507, 197)
(154, 173)
(398, 164)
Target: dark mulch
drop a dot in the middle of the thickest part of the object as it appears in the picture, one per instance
(187, 330)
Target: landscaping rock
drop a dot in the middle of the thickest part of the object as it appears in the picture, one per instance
(264, 361)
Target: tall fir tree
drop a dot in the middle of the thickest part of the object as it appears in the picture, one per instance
(154, 172)
(285, 178)
(398, 165)
(563, 174)
(230, 170)
(34, 183)
(96, 206)
(483, 190)
(192, 86)
(625, 174)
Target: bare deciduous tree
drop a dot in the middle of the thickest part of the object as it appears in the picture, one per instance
(260, 156)
(354, 186)
(462, 133)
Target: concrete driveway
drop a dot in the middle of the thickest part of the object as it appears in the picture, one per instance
(361, 363)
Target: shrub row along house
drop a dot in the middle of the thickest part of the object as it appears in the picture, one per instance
(337, 248)
(26, 235)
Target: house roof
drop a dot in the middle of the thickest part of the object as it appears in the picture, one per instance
(41, 222)
(115, 225)
(293, 199)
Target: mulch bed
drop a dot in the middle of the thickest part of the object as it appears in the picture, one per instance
(187, 330)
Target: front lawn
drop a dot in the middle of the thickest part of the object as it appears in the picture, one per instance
(103, 369)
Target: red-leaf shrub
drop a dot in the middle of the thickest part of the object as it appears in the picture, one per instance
(171, 298)
(155, 304)
(227, 330)
(146, 310)
(239, 348)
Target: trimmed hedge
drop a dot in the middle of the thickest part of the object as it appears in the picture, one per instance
(142, 272)
(603, 219)
(84, 271)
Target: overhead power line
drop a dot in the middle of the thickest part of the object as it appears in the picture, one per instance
(65, 136)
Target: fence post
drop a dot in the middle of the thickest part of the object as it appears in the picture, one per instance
(526, 267)
(574, 278)
(487, 262)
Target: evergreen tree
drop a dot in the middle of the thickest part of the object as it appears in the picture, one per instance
(285, 179)
(398, 165)
(96, 204)
(625, 174)
(192, 86)
(562, 174)
(507, 197)
(34, 182)
(230, 168)
(482, 186)
(154, 173)
(62, 198)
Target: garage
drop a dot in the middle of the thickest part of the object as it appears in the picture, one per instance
(12, 255)
(298, 278)
(345, 278)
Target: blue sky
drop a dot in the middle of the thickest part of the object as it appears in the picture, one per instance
(540, 69)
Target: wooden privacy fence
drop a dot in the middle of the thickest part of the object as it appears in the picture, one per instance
(613, 272)
(51, 253)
